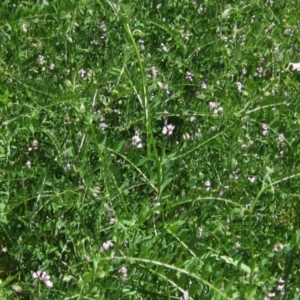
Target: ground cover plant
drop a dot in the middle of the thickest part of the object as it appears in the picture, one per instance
(149, 150)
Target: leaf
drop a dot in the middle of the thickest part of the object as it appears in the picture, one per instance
(166, 183)
(142, 161)
(245, 268)
(7, 281)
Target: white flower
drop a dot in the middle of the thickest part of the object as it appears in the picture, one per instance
(201, 9)
(199, 232)
(28, 164)
(186, 136)
(239, 86)
(44, 277)
(237, 244)
(168, 129)
(163, 47)
(35, 144)
(136, 141)
(189, 75)
(246, 206)
(142, 46)
(281, 138)
(24, 27)
(41, 59)
(82, 73)
(212, 105)
(112, 221)
(166, 88)
(280, 287)
(103, 26)
(123, 271)
(207, 183)
(106, 246)
(193, 119)
(260, 71)
(67, 167)
(252, 178)
(288, 31)
(102, 124)
(269, 296)
(185, 296)
(154, 72)
(234, 175)
(265, 128)
(295, 66)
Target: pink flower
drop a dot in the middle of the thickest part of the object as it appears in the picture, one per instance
(106, 246)
(44, 277)
(168, 129)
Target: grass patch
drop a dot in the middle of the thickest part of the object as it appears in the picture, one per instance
(149, 151)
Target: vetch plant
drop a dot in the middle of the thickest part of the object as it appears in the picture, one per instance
(136, 134)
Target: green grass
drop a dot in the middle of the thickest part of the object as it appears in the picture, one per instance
(149, 152)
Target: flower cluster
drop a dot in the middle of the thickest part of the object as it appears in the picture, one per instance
(280, 288)
(265, 128)
(106, 246)
(41, 59)
(102, 124)
(82, 74)
(103, 29)
(154, 72)
(44, 277)
(142, 44)
(33, 146)
(168, 129)
(189, 75)
(215, 108)
(136, 141)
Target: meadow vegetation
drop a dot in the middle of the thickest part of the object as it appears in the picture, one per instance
(149, 150)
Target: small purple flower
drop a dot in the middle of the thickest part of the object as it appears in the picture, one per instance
(106, 246)
(44, 277)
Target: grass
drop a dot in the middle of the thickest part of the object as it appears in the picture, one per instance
(149, 151)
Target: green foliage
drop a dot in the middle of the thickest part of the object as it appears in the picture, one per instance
(149, 150)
